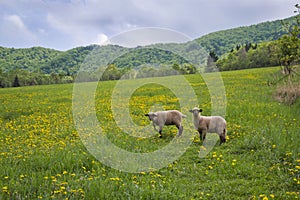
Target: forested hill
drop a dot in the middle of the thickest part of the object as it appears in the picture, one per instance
(223, 41)
(44, 60)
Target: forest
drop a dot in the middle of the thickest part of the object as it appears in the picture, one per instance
(254, 46)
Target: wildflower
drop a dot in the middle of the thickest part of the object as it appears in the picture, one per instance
(115, 179)
(272, 196)
(288, 154)
(5, 189)
(65, 172)
(233, 162)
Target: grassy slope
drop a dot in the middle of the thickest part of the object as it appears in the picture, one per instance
(42, 156)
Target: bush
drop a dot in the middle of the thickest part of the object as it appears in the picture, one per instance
(288, 93)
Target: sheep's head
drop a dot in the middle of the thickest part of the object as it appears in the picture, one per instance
(151, 115)
(196, 111)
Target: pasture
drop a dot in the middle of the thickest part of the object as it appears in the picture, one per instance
(42, 155)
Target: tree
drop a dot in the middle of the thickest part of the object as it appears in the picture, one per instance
(289, 46)
(16, 82)
(211, 62)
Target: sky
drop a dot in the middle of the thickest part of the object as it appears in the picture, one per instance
(65, 24)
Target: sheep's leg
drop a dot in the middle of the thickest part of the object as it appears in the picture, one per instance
(154, 127)
(180, 130)
(204, 135)
(160, 131)
(223, 137)
(200, 134)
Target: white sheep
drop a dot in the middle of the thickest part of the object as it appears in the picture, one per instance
(169, 117)
(209, 124)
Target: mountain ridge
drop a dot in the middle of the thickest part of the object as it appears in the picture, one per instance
(68, 62)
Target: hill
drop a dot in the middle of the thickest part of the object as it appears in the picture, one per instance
(39, 59)
(223, 41)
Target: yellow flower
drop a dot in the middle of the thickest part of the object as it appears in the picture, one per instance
(115, 179)
(272, 196)
(4, 189)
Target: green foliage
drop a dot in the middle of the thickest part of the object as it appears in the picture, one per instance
(289, 46)
(223, 41)
(250, 56)
(150, 56)
(32, 59)
(16, 78)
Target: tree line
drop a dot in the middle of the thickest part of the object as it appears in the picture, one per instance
(17, 78)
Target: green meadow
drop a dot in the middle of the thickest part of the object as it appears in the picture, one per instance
(42, 156)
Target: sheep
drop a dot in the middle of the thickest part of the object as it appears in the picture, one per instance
(209, 124)
(169, 117)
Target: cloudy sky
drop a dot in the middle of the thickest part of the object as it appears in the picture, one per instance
(64, 24)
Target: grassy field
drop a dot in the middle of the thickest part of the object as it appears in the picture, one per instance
(43, 157)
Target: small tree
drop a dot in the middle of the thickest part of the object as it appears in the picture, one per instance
(289, 46)
(16, 82)
(211, 62)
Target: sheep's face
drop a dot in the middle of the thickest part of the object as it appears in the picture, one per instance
(151, 115)
(196, 111)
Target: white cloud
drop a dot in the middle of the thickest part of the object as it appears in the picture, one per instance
(16, 21)
(102, 39)
(64, 24)
(14, 31)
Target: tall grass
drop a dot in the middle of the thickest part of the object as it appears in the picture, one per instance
(42, 156)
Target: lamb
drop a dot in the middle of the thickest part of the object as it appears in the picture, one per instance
(169, 117)
(209, 124)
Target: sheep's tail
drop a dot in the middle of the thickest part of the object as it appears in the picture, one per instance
(183, 116)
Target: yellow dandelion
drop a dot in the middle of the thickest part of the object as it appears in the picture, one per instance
(5, 189)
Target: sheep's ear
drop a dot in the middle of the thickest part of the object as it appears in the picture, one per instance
(200, 110)
(191, 111)
(147, 115)
(154, 114)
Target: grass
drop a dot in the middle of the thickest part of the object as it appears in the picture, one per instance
(42, 156)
